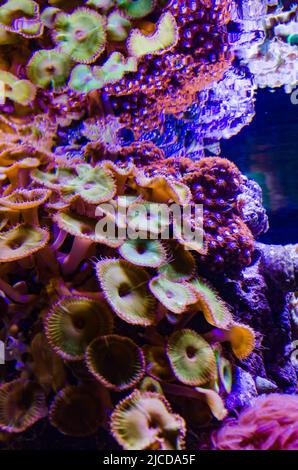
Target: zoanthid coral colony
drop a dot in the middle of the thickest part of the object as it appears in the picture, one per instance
(116, 316)
(104, 315)
(138, 54)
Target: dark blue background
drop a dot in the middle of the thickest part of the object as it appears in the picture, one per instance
(267, 150)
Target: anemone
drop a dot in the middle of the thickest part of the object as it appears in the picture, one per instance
(20, 91)
(85, 78)
(85, 231)
(55, 179)
(136, 9)
(110, 215)
(8, 216)
(141, 252)
(8, 78)
(122, 174)
(8, 38)
(11, 292)
(49, 69)
(125, 288)
(82, 79)
(22, 403)
(73, 322)
(21, 241)
(48, 16)
(199, 405)
(241, 338)
(100, 4)
(224, 373)
(27, 202)
(199, 398)
(144, 420)
(163, 190)
(214, 401)
(16, 152)
(18, 172)
(181, 192)
(22, 17)
(157, 363)
(118, 26)
(175, 296)
(28, 28)
(10, 8)
(55, 203)
(93, 184)
(213, 308)
(180, 265)
(146, 217)
(114, 69)
(164, 38)
(115, 361)
(190, 234)
(47, 366)
(81, 34)
(77, 411)
(191, 357)
(148, 384)
(82, 228)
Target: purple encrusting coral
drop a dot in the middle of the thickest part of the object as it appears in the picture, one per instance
(141, 342)
(216, 185)
(269, 424)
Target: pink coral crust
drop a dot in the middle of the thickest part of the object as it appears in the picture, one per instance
(270, 424)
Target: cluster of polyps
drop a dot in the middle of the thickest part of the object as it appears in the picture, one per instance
(104, 317)
(133, 51)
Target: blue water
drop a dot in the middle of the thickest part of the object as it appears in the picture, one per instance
(267, 151)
